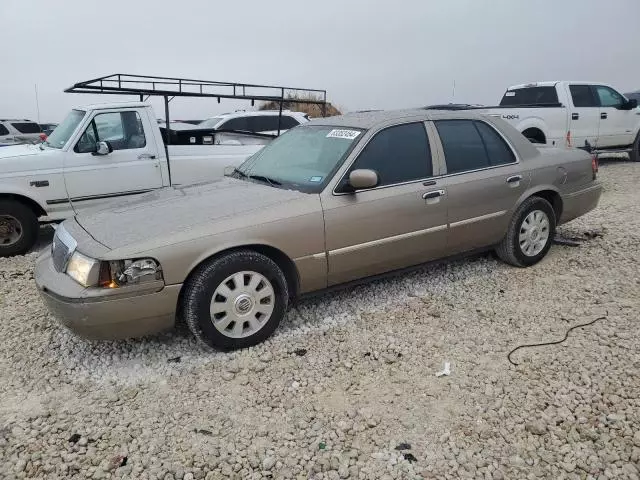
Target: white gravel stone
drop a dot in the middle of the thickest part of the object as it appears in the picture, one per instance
(365, 383)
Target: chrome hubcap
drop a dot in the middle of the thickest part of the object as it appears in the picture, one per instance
(10, 230)
(534, 233)
(242, 304)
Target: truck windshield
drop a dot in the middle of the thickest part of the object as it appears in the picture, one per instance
(530, 96)
(61, 135)
(303, 159)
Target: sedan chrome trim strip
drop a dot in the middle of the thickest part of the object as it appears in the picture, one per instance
(382, 241)
(477, 219)
(314, 256)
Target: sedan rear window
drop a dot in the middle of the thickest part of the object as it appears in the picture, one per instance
(27, 127)
(530, 96)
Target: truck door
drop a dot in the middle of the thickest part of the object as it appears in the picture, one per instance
(584, 116)
(132, 167)
(616, 124)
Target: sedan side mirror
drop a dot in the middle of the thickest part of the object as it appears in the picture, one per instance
(103, 148)
(633, 103)
(363, 178)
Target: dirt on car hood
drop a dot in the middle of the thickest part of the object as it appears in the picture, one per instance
(168, 211)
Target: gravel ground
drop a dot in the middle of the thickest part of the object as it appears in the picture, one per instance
(347, 387)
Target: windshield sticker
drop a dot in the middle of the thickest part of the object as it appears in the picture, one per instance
(346, 134)
(510, 94)
(317, 179)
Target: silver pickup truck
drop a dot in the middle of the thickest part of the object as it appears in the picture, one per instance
(331, 202)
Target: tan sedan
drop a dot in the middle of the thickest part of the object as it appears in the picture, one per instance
(331, 202)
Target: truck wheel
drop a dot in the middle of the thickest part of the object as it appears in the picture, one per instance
(530, 233)
(235, 301)
(634, 155)
(18, 228)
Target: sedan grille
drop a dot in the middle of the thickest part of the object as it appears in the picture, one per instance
(62, 248)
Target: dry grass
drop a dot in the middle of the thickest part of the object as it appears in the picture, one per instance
(311, 109)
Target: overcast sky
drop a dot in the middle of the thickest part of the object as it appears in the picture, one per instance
(366, 54)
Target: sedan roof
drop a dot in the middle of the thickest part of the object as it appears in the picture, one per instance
(374, 118)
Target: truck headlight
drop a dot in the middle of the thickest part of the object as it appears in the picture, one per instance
(83, 269)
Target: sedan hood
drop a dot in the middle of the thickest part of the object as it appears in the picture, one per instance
(170, 212)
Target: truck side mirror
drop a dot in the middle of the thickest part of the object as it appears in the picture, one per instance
(103, 148)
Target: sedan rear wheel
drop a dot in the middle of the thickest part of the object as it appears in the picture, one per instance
(534, 233)
(530, 233)
(236, 300)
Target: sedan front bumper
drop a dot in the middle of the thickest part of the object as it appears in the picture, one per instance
(108, 315)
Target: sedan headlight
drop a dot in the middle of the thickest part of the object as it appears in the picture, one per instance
(89, 272)
(133, 272)
(84, 270)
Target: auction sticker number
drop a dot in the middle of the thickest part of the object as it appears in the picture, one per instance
(346, 134)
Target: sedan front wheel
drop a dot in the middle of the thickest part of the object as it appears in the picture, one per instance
(236, 300)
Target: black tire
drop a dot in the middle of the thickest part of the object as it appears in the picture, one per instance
(27, 222)
(634, 155)
(509, 249)
(202, 284)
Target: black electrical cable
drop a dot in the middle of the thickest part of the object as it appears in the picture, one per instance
(566, 335)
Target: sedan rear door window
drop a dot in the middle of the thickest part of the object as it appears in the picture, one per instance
(499, 152)
(398, 154)
(463, 146)
(3, 130)
(472, 145)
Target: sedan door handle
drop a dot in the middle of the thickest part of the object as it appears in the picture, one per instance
(433, 194)
(575, 116)
(514, 178)
(146, 156)
(603, 116)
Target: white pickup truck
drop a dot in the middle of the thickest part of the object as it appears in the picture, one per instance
(102, 152)
(579, 114)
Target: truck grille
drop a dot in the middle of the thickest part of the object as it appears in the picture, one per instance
(62, 248)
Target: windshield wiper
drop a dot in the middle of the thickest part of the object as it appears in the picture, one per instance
(239, 172)
(262, 178)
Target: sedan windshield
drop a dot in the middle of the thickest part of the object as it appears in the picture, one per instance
(61, 135)
(303, 159)
(210, 122)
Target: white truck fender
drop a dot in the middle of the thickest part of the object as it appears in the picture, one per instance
(15, 191)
